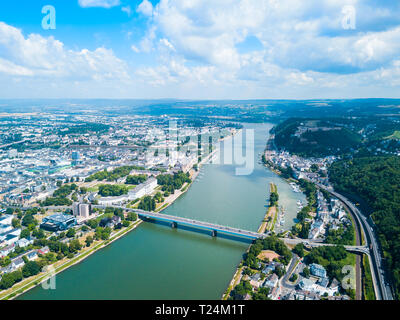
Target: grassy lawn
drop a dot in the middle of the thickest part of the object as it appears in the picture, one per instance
(368, 287)
(395, 135)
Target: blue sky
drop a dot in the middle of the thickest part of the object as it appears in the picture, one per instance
(201, 49)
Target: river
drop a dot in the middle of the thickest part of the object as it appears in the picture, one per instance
(157, 262)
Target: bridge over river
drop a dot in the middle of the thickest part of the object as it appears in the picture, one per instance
(218, 230)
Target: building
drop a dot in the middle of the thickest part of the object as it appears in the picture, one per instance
(75, 155)
(58, 222)
(10, 237)
(22, 243)
(109, 201)
(317, 270)
(5, 228)
(32, 255)
(82, 210)
(110, 222)
(12, 153)
(340, 213)
(6, 220)
(272, 281)
(306, 284)
(43, 250)
(323, 282)
(7, 250)
(144, 189)
(316, 228)
(17, 263)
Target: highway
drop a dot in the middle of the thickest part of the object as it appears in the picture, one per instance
(382, 289)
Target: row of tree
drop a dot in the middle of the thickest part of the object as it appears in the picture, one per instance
(377, 181)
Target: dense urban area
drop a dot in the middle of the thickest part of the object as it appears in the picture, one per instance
(71, 183)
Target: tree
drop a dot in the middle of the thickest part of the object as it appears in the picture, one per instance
(158, 197)
(75, 246)
(25, 233)
(242, 289)
(4, 262)
(92, 223)
(30, 268)
(71, 233)
(261, 294)
(306, 272)
(294, 277)
(131, 216)
(299, 250)
(279, 271)
(8, 279)
(83, 190)
(273, 198)
(147, 204)
(89, 241)
(15, 223)
(38, 233)
(125, 223)
(135, 180)
(28, 219)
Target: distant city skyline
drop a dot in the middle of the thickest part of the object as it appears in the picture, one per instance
(201, 49)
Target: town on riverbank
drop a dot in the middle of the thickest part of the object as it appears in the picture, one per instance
(310, 261)
(68, 214)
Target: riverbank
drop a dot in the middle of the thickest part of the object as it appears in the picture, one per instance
(62, 265)
(267, 224)
(193, 175)
(270, 218)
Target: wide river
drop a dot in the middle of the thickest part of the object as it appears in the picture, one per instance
(157, 262)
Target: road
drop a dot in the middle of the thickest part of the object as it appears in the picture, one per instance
(13, 143)
(382, 290)
(285, 280)
(314, 244)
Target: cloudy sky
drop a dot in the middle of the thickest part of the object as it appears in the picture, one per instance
(201, 49)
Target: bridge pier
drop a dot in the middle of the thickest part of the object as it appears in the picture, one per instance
(174, 225)
(214, 233)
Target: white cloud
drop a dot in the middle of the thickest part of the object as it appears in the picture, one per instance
(47, 57)
(303, 42)
(127, 9)
(99, 3)
(200, 49)
(135, 49)
(145, 7)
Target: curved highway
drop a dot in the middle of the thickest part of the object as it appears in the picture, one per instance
(382, 289)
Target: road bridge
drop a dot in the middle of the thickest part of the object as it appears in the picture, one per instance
(215, 229)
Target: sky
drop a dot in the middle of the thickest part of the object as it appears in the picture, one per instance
(200, 49)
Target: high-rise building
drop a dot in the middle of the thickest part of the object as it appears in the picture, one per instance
(76, 155)
(81, 210)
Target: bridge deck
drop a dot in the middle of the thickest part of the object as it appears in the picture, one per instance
(200, 224)
(231, 231)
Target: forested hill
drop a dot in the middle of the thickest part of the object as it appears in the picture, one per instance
(377, 181)
(316, 137)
